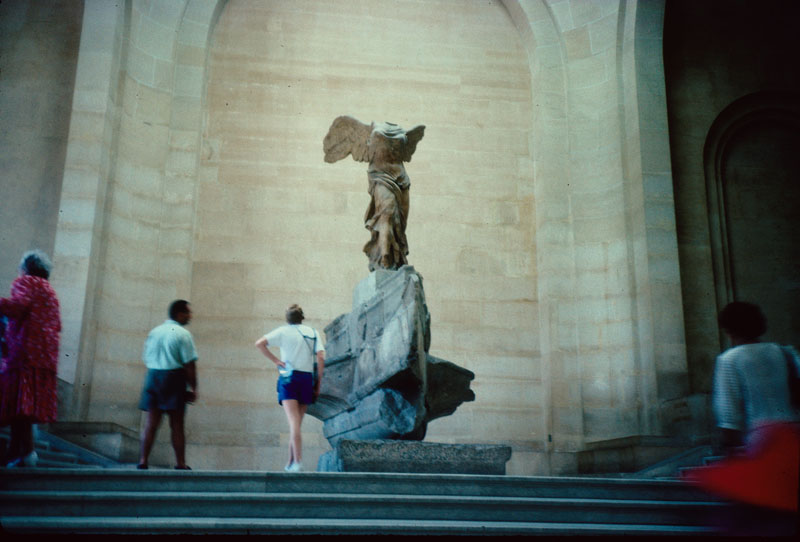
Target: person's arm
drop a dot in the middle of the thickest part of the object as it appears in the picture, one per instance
(19, 302)
(728, 406)
(188, 356)
(262, 344)
(320, 370)
(191, 379)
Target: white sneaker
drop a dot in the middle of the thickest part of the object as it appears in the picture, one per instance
(294, 467)
(29, 460)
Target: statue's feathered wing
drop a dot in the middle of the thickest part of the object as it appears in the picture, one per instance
(347, 136)
(413, 136)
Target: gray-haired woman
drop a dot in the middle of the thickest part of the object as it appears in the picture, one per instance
(28, 380)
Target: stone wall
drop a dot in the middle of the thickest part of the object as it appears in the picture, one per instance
(38, 57)
(276, 224)
(609, 288)
(731, 78)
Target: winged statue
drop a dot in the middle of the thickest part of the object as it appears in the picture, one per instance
(385, 146)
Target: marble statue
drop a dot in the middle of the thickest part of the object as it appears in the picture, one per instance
(385, 146)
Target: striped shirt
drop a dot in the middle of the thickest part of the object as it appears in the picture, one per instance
(751, 387)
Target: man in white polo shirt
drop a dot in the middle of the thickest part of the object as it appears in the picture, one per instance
(170, 357)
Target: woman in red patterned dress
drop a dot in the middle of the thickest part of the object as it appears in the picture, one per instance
(28, 372)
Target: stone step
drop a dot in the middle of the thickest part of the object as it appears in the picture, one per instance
(353, 506)
(209, 502)
(347, 483)
(55, 452)
(314, 526)
(673, 466)
(54, 457)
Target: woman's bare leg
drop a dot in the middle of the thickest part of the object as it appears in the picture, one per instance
(294, 414)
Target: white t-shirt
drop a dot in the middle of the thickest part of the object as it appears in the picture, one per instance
(751, 387)
(296, 342)
(169, 346)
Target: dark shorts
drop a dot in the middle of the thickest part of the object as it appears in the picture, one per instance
(164, 390)
(299, 385)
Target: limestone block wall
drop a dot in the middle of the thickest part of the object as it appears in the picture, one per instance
(38, 56)
(275, 224)
(124, 236)
(650, 203)
(90, 156)
(608, 263)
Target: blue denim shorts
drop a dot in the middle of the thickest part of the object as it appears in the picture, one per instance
(298, 385)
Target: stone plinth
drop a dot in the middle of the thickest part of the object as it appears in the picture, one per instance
(415, 457)
(380, 381)
(383, 415)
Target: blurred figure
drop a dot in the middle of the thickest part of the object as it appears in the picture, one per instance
(751, 379)
(170, 357)
(28, 374)
(756, 409)
(3, 347)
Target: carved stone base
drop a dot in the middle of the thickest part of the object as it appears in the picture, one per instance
(380, 381)
(415, 457)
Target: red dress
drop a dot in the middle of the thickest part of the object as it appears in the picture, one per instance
(28, 374)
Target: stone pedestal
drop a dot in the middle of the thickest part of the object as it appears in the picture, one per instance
(415, 457)
(380, 382)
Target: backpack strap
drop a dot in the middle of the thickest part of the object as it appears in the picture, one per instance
(793, 377)
(314, 348)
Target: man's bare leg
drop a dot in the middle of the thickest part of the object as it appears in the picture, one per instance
(149, 435)
(176, 425)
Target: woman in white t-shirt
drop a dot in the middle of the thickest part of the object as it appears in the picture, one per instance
(300, 348)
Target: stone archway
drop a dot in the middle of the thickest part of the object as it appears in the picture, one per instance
(751, 166)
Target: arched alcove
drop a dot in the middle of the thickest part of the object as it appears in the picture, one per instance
(275, 224)
(751, 166)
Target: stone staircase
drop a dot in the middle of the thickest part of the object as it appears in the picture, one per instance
(55, 452)
(80, 491)
(127, 501)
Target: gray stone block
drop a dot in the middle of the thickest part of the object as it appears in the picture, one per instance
(448, 387)
(382, 415)
(414, 456)
(383, 345)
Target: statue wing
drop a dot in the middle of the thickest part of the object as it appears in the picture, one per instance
(413, 137)
(347, 136)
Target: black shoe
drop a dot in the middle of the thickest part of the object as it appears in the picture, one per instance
(142, 467)
(187, 467)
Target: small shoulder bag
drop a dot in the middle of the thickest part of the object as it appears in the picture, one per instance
(313, 355)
